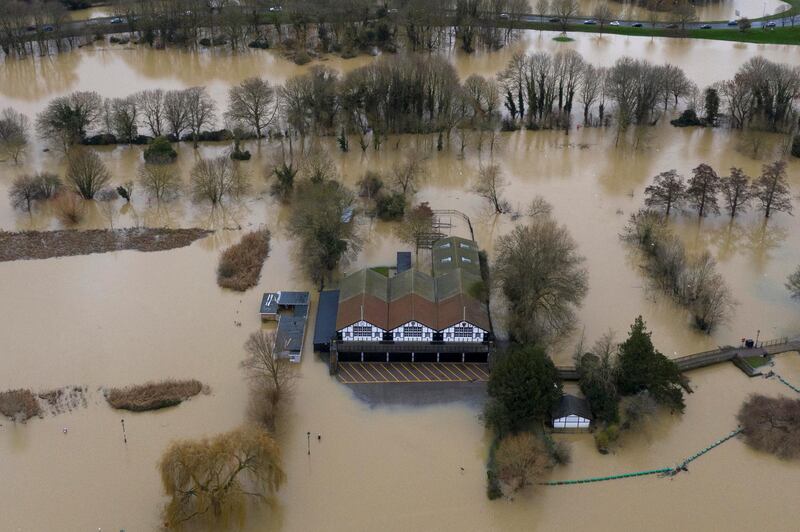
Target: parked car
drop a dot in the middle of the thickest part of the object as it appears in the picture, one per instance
(733, 22)
(671, 26)
(555, 20)
(614, 23)
(637, 25)
(504, 16)
(589, 22)
(116, 20)
(30, 28)
(48, 29)
(770, 24)
(705, 27)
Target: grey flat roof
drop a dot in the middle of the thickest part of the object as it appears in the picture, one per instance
(289, 299)
(289, 337)
(325, 326)
(269, 303)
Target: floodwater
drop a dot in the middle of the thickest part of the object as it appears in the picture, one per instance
(128, 317)
(720, 10)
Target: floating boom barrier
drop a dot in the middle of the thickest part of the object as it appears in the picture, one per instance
(664, 472)
(787, 383)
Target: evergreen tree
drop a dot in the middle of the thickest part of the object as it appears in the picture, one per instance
(523, 388)
(712, 106)
(642, 367)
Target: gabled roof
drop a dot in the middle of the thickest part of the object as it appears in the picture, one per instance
(438, 301)
(571, 405)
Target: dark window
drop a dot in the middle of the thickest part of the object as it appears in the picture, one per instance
(412, 330)
(362, 330)
(463, 332)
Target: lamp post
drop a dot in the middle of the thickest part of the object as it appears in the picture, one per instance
(308, 438)
(758, 333)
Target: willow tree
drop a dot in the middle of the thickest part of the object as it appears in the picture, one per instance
(215, 478)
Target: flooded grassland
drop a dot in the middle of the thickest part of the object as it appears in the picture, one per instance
(126, 317)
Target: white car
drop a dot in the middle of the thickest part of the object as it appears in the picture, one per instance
(614, 23)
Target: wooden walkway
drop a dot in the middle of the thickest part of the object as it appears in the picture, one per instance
(404, 372)
(714, 356)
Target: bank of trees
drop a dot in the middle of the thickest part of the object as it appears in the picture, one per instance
(633, 371)
(523, 388)
(761, 95)
(770, 191)
(692, 281)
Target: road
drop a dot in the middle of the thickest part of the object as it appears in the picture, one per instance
(103, 25)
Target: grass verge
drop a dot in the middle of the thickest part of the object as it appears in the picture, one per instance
(153, 395)
(240, 265)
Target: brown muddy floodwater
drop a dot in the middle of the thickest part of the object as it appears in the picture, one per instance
(121, 318)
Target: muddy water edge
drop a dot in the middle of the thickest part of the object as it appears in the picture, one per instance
(127, 317)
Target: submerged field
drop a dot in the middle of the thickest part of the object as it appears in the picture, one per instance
(127, 317)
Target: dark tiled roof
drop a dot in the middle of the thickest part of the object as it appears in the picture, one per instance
(569, 405)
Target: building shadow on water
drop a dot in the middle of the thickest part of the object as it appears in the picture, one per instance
(413, 394)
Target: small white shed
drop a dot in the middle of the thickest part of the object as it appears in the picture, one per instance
(571, 413)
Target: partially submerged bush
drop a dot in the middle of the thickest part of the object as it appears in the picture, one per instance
(688, 118)
(153, 395)
(521, 459)
(772, 424)
(70, 208)
(160, 151)
(19, 405)
(391, 206)
(240, 265)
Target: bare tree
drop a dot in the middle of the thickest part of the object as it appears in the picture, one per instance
(215, 179)
(125, 119)
(667, 191)
(539, 207)
(160, 181)
(317, 166)
(702, 190)
(408, 173)
(736, 191)
(273, 374)
(521, 459)
(793, 283)
(24, 190)
(602, 14)
(253, 103)
(176, 112)
(151, 104)
(214, 478)
(66, 119)
(771, 424)
(417, 222)
(704, 291)
(542, 8)
(86, 172)
(13, 134)
(201, 111)
(772, 189)
(542, 277)
(489, 185)
(565, 9)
